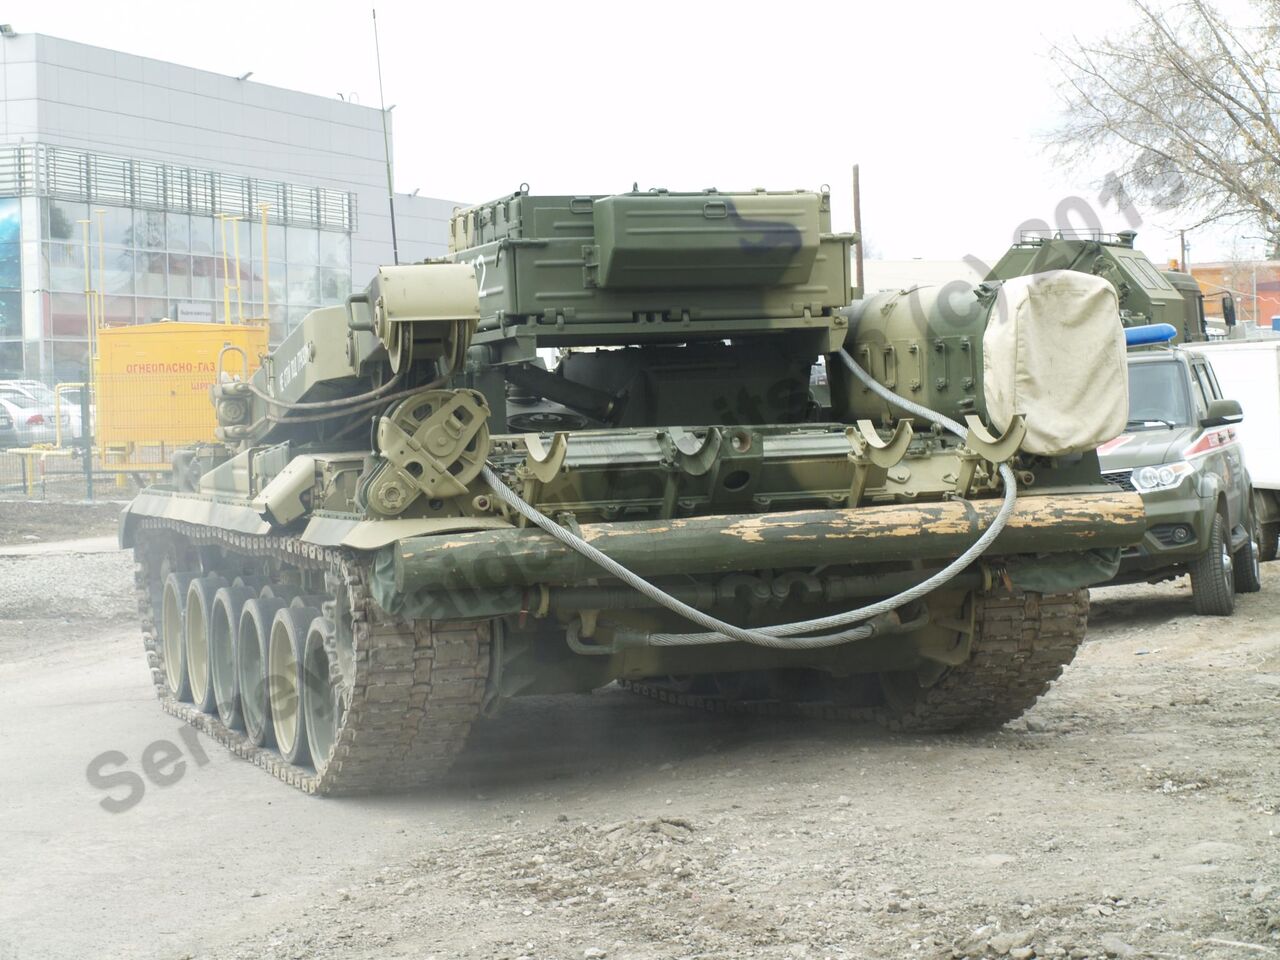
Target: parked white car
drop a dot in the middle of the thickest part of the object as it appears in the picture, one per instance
(31, 406)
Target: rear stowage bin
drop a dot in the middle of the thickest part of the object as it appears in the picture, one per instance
(705, 240)
(654, 266)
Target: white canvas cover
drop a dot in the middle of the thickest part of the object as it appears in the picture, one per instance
(1054, 351)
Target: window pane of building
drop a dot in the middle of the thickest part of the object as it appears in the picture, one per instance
(304, 284)
(235, 275)
(179, 275)
(116, 274)
(206, 278)
(148, 310)
(251, 281)
(66, 316)
(61, 219)
(335, 250)
(205, 235)
(149, 230)
(64, 267)
(335, 285)
(275, 242)
(303, 245)
(113, 226)
(149, 275)
(242, 235)
(117, 311)
(178, 232)
(10, 314)
(275, 285)
(10, 359)
(279, 323)
(70, 359)
(10, 266)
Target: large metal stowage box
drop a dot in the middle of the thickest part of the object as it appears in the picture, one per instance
(569, 263)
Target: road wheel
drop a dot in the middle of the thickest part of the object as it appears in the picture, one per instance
(224, 624)
(251, 658)
(1213, 590)
(173, 608)
(1246, 563)
(285, 683)
(322, 702)
(200, 596)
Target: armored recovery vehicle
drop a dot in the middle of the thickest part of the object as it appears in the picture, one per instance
(1146, 293)
(583, 448)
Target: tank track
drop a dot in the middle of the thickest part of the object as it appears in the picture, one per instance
(417, 686)
(1022, 644)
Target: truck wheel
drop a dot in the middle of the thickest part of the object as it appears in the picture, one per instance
(1248, 573)
(1212, 581)
(1268, 542)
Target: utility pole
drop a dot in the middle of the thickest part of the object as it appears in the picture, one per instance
(1256, 312)
(857, 229)
(1182, 239)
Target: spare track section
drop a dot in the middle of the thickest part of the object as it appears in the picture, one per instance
(417, 686)
(1022, 643)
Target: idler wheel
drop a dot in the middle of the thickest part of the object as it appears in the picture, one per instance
(251, 667)
(173, 609)
(200, 594)
(285, 657)
(224, 627)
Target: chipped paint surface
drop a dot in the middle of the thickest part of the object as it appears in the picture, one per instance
(720, 543)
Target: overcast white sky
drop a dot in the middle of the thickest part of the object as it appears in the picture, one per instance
(940, 103)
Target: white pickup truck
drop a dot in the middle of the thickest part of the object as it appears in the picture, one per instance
(1249, 371)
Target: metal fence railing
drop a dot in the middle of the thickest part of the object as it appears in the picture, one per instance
(74, 440)
(65, 173)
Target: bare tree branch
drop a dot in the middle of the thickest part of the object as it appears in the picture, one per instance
(1185, 110)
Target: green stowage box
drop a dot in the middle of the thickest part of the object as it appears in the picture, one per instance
(521, 217)
(648, 241)
(670, 261)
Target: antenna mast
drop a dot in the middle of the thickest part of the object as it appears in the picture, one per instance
(386, 144)
(857, 229)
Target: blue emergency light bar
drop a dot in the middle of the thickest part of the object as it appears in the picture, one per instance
(1149, 333)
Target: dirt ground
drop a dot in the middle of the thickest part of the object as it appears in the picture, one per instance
(29, 521)
(1132, 813)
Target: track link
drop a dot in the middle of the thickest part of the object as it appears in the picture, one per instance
(1023, 642)
(1021, 645)
(416, 688)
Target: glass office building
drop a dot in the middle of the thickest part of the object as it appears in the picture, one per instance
(151, 241)
(144, 182)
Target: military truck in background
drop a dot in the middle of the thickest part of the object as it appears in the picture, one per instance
(1148, 294)
(411, 517)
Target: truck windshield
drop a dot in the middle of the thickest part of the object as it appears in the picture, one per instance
(1158, 396)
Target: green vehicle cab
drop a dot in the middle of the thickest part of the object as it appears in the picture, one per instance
(1180, 452)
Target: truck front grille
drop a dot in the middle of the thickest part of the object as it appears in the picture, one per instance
(1122, 479)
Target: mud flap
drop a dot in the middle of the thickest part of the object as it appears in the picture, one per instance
(1064, 572)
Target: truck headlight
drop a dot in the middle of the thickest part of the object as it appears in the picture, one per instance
(1161, 477)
